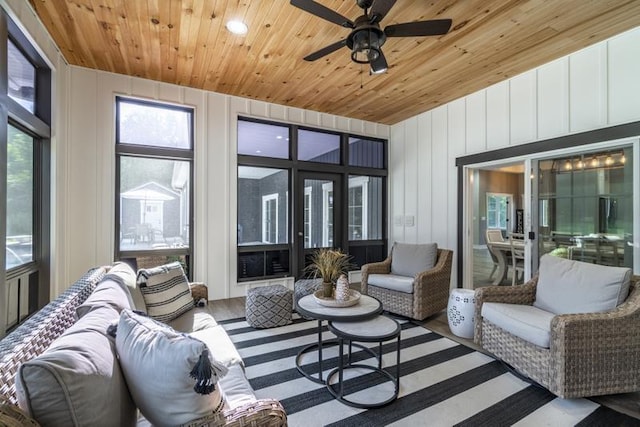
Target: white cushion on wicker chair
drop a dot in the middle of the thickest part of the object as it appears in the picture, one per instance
(527, 322)
(409, 259)
(566, 286)
(393, 282)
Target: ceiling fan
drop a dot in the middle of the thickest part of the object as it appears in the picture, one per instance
(366, 37)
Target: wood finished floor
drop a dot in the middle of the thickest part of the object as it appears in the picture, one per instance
(627, 403)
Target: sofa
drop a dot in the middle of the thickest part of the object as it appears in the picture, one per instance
(574, 327)
(75, 362)
(413, 281)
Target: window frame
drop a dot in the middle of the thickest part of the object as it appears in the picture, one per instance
(367, 250)
(32, 278)
(159, 153)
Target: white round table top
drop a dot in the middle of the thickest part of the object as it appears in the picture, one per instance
(365, 308)
(377, 328)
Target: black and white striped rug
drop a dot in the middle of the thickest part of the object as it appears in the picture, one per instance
(442, 383)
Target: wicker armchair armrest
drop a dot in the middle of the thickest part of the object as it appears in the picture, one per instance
(435, 278)
(382, 267)
(597, 353)
(262, 412)
(520, 294)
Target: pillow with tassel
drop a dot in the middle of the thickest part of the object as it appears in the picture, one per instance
(172, 376)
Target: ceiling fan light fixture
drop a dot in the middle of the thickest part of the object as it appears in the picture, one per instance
(237, 27)
(366, 46)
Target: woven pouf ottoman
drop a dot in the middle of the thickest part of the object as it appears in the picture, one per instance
(269, 306)
(461, 311)
(304, 287)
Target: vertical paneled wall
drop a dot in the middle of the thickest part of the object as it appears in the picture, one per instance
(88, 219)
(590, 89)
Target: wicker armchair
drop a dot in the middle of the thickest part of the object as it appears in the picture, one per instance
(430, 290)
(589, 354)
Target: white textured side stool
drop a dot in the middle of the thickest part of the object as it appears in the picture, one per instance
(460, 312)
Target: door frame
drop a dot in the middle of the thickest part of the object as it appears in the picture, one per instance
(339, 234)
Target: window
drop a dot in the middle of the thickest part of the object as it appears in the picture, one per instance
(20, 170)
(24, 178)
(366, 153)
(270, 218)
(318, 146)
(263, 140)
(498, 210)
(261, 219)
(308, 209)
(327, 214)
(154, 150)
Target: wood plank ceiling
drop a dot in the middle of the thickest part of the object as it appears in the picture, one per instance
(185, 42)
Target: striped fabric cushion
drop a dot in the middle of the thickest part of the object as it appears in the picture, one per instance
(165, 290)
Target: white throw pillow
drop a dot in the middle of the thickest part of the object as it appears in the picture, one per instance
(566, 286)
(160, 364)
(166, 292)
(409, 259)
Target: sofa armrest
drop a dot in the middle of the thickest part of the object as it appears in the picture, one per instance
(262, 412)
(520, 294)
(383, 267)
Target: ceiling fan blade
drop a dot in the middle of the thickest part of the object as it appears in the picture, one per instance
(379, 65)
(379, 9)
(434, 27)
(323, 12)
(326, 50)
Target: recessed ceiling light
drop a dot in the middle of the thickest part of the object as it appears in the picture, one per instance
(279, 137)
(237, 27)
(258, 151)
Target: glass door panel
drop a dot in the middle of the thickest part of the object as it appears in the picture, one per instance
(586, 207)
(319, 222)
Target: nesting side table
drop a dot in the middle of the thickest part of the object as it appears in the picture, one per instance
(378, 329)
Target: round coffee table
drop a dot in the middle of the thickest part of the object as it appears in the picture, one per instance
(366, 308)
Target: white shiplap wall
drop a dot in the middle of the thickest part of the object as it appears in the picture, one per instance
(593, 88)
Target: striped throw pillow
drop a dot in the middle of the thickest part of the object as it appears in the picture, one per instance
(165, 290)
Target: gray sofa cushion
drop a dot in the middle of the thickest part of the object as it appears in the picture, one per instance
(108, 292)
(77, 381)
(527, 322)
(410, 259)
(566, 286)
(392, 282)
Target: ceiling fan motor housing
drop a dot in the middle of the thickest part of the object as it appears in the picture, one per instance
(364, 4)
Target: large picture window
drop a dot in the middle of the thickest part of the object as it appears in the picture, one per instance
(154, 150)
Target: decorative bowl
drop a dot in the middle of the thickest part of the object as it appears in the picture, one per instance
(354, 297)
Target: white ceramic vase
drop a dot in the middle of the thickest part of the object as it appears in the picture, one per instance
(342, 288)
